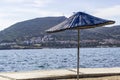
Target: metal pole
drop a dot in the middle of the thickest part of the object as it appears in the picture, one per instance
(78, 52)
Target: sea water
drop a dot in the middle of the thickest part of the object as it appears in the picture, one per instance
(44, 59)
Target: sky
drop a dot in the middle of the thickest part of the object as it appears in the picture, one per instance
(13, 11)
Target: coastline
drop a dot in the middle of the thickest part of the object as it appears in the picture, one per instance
(51, 48)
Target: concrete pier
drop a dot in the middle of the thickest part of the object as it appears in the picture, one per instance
(59, 74)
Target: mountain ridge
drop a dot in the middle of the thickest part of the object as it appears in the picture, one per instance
(30, 26)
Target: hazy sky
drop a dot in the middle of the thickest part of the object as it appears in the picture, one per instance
(13, 11)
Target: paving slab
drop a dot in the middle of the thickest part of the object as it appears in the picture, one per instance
(4, 78)
(39, 74)
(98, 72)
(58, 74)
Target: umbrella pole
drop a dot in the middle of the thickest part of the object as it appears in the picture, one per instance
(78, 52)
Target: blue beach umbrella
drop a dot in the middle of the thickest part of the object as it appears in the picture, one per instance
(80, 20)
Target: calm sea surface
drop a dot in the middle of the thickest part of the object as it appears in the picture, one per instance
(37, 59)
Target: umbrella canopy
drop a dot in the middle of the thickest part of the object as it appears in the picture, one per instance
(80, 20)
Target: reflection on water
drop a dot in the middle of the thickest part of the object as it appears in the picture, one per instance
(37, 59)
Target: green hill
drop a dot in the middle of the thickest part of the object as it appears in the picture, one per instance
(30, 28)
(33, 31)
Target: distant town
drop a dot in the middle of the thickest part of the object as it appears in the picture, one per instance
(50, 42)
